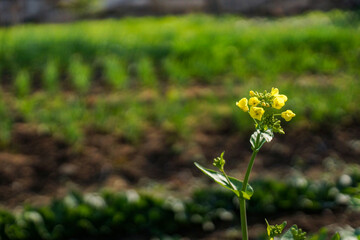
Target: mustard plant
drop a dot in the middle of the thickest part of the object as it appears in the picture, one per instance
(265, 108)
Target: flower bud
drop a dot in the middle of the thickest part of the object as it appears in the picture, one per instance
(287, 115)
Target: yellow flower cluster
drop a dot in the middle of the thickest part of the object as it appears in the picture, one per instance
(257, 104)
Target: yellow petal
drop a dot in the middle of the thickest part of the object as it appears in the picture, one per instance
(284, 97)
(278, 102)
(254, 101)
(257, 112)
(243, 104)
(274, 91)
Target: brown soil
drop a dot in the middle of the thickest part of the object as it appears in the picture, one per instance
(37, 167)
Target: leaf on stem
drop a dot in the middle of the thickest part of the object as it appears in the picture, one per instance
(258, 138)
(236, 185)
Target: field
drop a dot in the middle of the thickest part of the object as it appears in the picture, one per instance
(113, 109)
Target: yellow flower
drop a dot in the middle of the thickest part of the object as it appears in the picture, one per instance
(257, 112)
(243, 104)
(279, 101)
(254, 101)
(252, 93)
(288, 115)
(274, 91)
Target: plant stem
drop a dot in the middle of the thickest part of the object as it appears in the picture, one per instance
(247, 175)
(242, 200)
(243, 220)
(227, 178)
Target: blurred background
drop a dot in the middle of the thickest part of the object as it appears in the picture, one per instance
(105, 106)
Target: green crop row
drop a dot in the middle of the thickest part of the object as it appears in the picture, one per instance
(150, 52)
(178, 110)
(123, 215)
(190, 69)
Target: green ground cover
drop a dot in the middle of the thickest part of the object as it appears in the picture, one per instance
(198, 65)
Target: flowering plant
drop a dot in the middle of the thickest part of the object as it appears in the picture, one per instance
(263, 108)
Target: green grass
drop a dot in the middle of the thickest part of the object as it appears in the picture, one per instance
(181, 74)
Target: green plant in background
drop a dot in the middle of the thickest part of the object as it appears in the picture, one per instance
(51, 76)
(236, 46)
(146, 73)
(22, 84)
(319, 64)
(63, 117)
(263, 109)
(174, 116)
(80, 74)
(177, 74)
(115, 73)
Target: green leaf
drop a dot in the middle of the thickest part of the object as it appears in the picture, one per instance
(294, 233)
(266, 136)
(236, 185)
(336, 236)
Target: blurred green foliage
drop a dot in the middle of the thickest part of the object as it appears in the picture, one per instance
(80, 74)
(51, 77)
(115, 72)
(181, 73)
(127, 214)
(22, 84)
(194, 48)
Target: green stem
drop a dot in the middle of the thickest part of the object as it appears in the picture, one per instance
(227, 178)
(248, 171)
(243, 220)
(242, 202)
